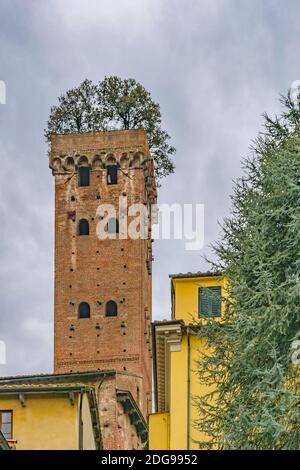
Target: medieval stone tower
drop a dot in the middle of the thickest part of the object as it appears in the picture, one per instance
(102, 286)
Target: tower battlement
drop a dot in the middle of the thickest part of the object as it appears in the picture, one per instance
(127, 148)
(117, 139)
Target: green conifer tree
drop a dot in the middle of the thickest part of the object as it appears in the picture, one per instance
(255, 403)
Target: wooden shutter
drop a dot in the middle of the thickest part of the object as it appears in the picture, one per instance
(209, 301)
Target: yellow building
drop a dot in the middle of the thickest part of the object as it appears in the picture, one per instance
(71, 411)
(44, 412)
(176, 348)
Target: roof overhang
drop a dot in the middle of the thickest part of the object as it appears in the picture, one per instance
(196, 274)
(57, 378)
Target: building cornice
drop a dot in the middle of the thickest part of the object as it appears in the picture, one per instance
(167, 338)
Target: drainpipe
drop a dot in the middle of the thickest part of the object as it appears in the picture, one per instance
(80, 423)
(188, 404)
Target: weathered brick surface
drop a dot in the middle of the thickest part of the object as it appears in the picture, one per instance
(95, 271)
(117, 431)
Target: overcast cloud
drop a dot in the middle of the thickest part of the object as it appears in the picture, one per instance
(214, 66)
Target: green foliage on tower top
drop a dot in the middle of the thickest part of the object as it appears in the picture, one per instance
(111, 104)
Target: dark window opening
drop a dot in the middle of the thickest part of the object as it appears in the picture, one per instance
(112, 174)
(84, 176)
(113, 226)
(111, 309)
(6, 423)
(84, 310)
(209, 301)
(83, 227)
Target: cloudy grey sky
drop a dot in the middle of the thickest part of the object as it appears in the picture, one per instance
(214, 65)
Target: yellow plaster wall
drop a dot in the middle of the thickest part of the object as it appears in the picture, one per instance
(178, 396)
(44, 423)
(88, 435)
(159, 428)
(186, 309)
(186, 296)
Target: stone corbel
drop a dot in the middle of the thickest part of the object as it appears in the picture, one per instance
(173, 339)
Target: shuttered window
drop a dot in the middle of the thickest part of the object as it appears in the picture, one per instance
(209, 301)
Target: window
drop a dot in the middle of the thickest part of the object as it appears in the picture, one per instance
(111, 309)
(6, 423)
(84, 310)
(209, 301)
(113, 226)
(112, 174)
(83, 227)
(84, 176)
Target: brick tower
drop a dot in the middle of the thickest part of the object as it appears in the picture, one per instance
(102, 287)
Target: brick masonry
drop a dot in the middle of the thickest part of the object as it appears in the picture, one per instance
(118, 432)
(95, 271)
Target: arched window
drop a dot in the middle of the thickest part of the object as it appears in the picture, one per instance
(113, 226)
(69, 164)
(83, 227)
(84, 310)
(84, 176)
(112, 174)
(111, 309)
